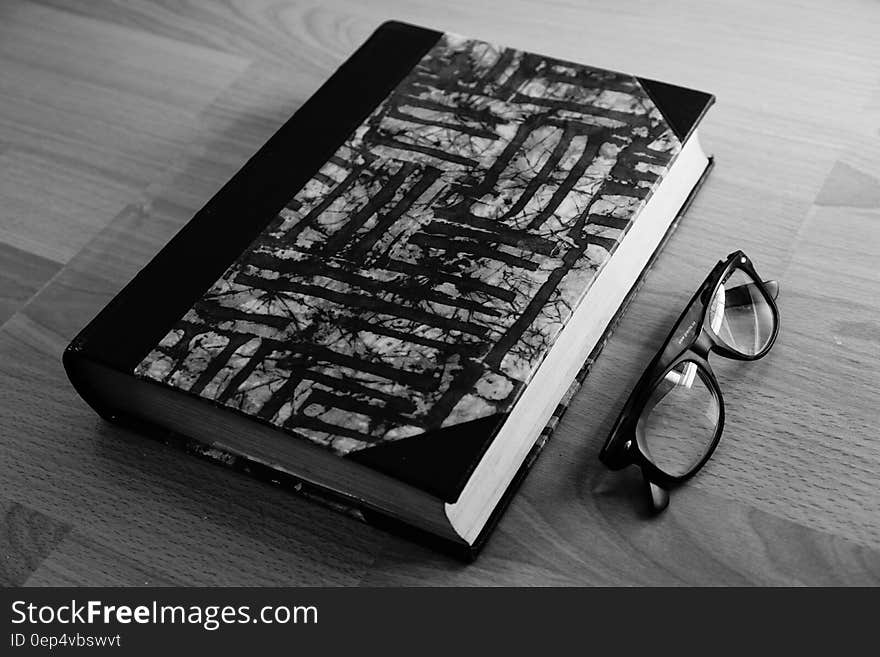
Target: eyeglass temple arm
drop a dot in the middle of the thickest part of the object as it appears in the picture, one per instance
(659, 496)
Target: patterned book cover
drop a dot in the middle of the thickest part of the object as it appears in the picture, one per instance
(421, 275)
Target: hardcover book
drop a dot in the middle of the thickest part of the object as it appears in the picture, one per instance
(389, 306)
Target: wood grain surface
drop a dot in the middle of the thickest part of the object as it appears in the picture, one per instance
(118, 120)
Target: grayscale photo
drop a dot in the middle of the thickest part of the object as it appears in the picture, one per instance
(305, 302)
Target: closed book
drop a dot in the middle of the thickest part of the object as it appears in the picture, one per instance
(389, 306)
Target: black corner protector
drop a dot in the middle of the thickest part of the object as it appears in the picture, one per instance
(438, 462)
(681, 107)
(394, 24)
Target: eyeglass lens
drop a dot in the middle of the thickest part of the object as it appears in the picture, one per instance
(740, 314)
(678, 422)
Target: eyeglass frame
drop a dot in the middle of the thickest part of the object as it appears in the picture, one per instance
(624, 447)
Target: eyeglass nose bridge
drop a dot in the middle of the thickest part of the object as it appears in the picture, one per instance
(702, 345)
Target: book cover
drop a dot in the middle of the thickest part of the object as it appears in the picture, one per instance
(395, 292)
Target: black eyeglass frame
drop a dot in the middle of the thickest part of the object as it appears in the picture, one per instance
(684, 343)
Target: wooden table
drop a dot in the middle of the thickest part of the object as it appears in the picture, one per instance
(118, 121)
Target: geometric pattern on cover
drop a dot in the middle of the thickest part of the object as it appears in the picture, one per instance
(417, 280)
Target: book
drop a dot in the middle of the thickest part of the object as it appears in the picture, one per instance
(390, 305)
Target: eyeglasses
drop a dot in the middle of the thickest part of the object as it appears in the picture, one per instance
(673, 419)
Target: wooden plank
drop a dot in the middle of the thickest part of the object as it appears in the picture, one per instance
(588, 528)
(92, 113)
(22, 274)
(79, 560)
(27, 538)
